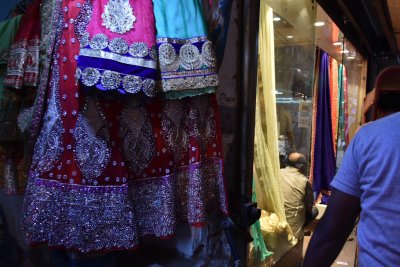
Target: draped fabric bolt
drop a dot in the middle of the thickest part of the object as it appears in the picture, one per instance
(333, 84)
(323, 153)
(341, 143)
(266, 152)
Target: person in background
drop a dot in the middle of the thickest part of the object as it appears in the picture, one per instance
(297, 194)
(367, 184)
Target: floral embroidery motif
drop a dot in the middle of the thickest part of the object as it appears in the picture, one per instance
(91, 149)
(186, 56)
(90, 76)
(99, 41)
(120, 46)
(112, 80)
(138, 49)
(118, 16)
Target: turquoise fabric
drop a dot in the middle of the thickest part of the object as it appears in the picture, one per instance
(182, 19)
(260, 249)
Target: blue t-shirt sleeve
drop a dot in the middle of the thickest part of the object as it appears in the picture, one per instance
(347, 178)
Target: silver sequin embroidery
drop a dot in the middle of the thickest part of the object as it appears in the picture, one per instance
(137, 137)
(92, 150)
(49, 145)
(118, 16)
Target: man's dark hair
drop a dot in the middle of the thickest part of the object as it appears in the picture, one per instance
(298, 161)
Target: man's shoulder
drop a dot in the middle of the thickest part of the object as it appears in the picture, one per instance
(390, 122)
(293, 173)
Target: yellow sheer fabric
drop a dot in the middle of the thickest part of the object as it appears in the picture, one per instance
(266, 153)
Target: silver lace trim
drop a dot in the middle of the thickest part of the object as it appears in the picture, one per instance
(194, 82)
(182, 41)
(137, 137)
(112, 80)
(119, 58)
(92, 150)
(189, 57)
(118, 16)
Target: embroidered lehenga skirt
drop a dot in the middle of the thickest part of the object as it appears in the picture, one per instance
(122, 151)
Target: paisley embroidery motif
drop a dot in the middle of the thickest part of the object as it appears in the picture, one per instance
(118, 16)
(92, 151)
(49, 144)
(173, 130)
(137, 137)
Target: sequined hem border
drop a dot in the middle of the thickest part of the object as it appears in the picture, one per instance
(186, 64)
(93, 218)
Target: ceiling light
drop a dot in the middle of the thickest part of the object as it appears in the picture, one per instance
(289, 36)
(337, 43)
(351, 57)
(319, 23)
(276, 19)
(344, 51)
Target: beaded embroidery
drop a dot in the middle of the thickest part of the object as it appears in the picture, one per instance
(137, 137)
(92, 151)
(48, 147)
(118, 16)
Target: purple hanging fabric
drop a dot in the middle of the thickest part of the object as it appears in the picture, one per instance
(324, 157)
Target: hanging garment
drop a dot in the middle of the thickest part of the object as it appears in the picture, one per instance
(186, 56)
(118, 46)
(119, 51)
(106, 169)
(11, 145)
(23, 63)
(323, 156)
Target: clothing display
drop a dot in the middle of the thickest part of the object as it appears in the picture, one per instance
(109, 168)
(12, 172)
(121, 53)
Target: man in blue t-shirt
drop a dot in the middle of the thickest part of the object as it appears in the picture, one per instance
(367, 184)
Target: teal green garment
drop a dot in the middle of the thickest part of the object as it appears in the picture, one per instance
(182, 19)
(341, 144)
(188, 93)
(8, 30)
(258, 242)
(10, 103)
